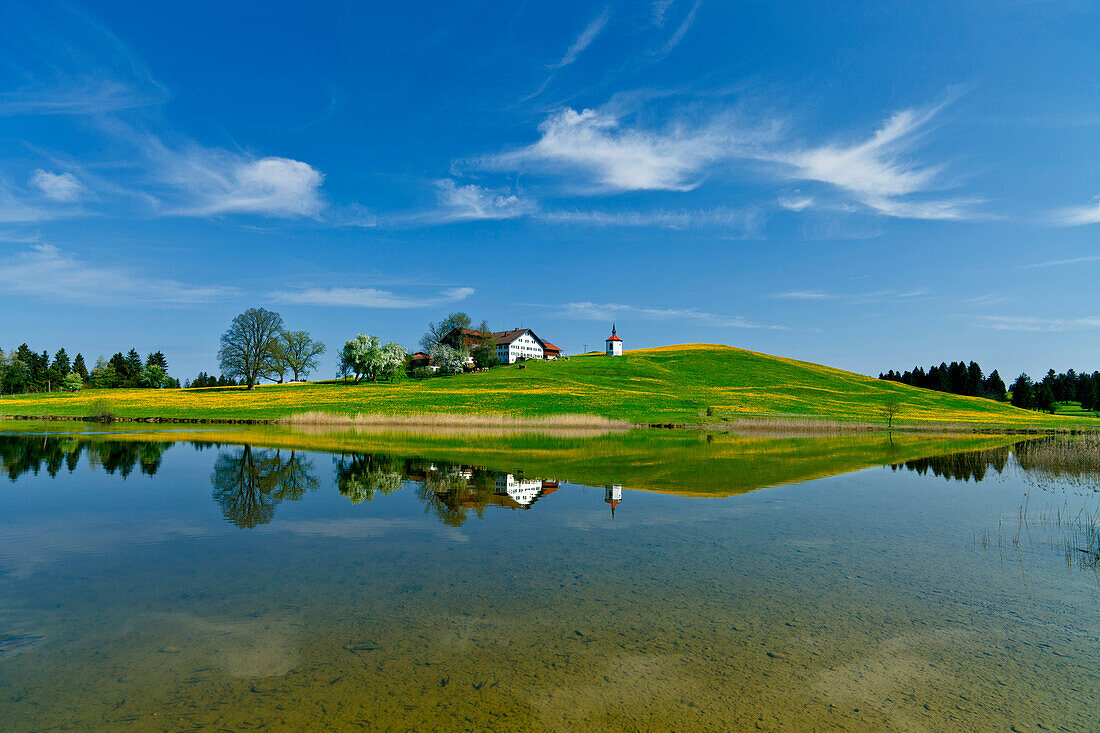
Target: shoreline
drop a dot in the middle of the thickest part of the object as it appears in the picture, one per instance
(788, 425)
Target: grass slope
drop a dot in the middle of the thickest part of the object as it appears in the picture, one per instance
(667, 384)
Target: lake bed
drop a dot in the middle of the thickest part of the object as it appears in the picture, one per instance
(160, 581)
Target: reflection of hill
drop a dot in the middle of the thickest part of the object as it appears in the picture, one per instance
(679, 462)
(682, 462)
(23, 454)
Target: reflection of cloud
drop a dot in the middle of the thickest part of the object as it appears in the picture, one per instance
(23, 547)
(358, 528)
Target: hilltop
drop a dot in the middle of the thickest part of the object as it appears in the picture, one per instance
(671, 384)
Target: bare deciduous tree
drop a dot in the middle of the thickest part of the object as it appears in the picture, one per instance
(890, 407)
(299, 352)
(250, 347)
(436, 331)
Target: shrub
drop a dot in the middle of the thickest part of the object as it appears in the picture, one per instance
(101, 410)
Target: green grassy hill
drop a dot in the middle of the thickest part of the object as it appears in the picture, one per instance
(669, 384)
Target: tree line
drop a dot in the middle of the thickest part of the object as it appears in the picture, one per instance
(956, 378)
(967, 379)
(24, 370)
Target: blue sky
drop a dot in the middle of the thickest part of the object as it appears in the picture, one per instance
(867, 185)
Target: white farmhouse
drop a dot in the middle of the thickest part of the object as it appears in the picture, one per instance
(519, 343)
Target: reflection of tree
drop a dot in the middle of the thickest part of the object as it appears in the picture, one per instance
(360, 477)
(249, 484)
(450, 495)
(20, 454)
(971, 465)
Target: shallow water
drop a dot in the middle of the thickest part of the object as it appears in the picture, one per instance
(148, 584)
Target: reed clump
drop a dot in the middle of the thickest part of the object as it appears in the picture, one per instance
(1073, 459)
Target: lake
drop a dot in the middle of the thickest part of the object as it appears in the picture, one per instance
(222, 578)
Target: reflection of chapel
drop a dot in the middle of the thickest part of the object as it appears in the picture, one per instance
(614, 496)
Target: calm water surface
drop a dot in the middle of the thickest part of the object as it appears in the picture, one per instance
(150, 585)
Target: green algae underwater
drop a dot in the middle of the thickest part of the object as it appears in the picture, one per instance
(270, 577)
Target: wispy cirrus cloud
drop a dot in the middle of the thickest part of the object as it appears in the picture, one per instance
(589, 311)
(78, 67)
(368, 297)
(985, 299)
(876, 296)
(46, 271)
(877, 172)
(471, 202)
(1076, 216)
(617, 157)
(1059, 263)
(602, 149)
(1036, 324)
(659, 10)
(747, 222)
(803, 295)
(682, 29)
(795, 202)
(585, 39)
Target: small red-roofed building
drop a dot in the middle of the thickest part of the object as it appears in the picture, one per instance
(614, 343)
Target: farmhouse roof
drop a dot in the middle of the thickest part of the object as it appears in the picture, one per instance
(503, 338)
(547, 346)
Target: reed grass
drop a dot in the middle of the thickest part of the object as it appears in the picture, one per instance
(456, 420)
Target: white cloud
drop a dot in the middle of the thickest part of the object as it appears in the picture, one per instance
(474, 203)
(368, 297)
(585, 39)
(47, 272)
(802, 295)
(81, 95)
(57, 186)
(748, 221)
(683, 28)
(215, 182)
(1056, 263)
(796, 202)
(987, 299)
(1076, 216)
(876, 172)
(660, 8)
(15, 210)
(1034, 324)
(880, 296)
(617, 157)
(610, 311)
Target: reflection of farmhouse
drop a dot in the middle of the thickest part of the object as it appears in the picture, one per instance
(524, 492)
